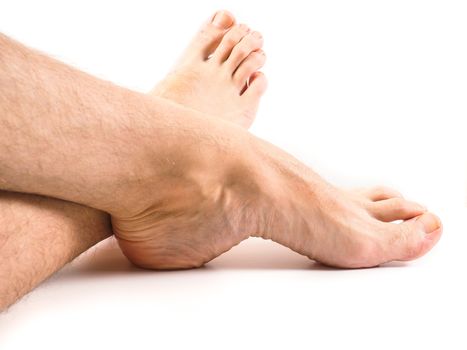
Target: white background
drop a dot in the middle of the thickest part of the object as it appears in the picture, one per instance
(365, 92)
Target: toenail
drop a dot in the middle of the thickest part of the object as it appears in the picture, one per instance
(430, 223)
(222, 19)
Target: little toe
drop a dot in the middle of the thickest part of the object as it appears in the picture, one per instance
(209, 35)
(395, 209)
(250, 64)
(228, 42)
(414, 238)
(257, 85)
(251, 42)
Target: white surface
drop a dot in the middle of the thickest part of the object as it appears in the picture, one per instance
(366, 92)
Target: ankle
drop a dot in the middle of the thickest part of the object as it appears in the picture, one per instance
(288, 192)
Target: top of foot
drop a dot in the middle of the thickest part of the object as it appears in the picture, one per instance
(219, 72)
(360, 228)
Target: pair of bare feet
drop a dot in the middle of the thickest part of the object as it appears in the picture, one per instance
(219, 76)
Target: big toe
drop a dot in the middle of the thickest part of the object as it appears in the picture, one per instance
(210, 35)
(415, 237)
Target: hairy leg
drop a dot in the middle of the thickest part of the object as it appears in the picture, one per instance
(182, 187)
(39, 235)
(56, 231)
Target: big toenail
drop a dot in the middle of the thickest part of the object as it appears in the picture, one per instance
(222, 20)
(430, 223)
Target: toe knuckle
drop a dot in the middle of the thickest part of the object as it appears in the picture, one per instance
(242, 27)
(260, 54)
(258, 57)
(257, 39)
(398, 205)
(242, 51)
(230, 40)
(257, 35)
(402, 207)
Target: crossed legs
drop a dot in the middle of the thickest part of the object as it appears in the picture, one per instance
(40, 234)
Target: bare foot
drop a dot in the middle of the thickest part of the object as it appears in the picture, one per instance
(247, 187)
(290, 205)
(219, 72)
(361, 228)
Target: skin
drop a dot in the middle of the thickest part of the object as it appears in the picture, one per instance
(75, 228)
(38, 236)
(192, 186)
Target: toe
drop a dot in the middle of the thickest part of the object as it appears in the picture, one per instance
(395, 209)
(414, 238)
(256, 87)
(228, 42)
(379, 193)
(222, 20)
(210, 34)
(251, 42)
(251, 64)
